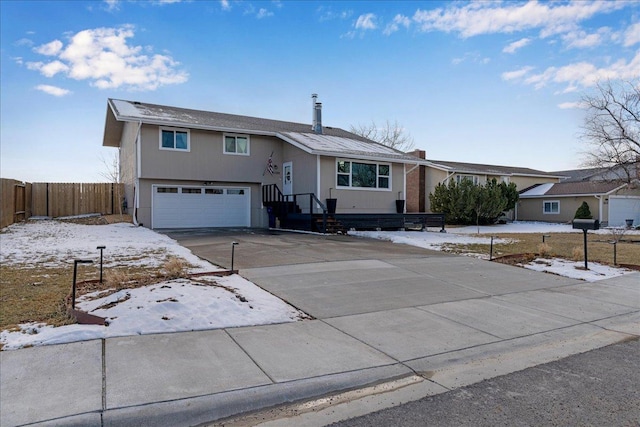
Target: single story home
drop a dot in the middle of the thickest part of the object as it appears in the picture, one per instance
(422, 179)
(186, 168)
(611, 202)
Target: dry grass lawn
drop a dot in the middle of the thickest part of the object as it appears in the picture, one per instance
(562, 245)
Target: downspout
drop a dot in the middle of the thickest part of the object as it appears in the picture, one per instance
(318, 183)
(449, 175)
(600, 207)
(136, 189)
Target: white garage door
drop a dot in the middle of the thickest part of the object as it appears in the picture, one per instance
(194, 207)
(622, 208)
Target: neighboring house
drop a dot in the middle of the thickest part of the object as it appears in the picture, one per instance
(611, 200)
(422, 179)
(187, 168)
(625, 173)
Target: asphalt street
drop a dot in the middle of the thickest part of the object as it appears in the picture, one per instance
(597, 388)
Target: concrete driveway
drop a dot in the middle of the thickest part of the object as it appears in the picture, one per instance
(332, 276)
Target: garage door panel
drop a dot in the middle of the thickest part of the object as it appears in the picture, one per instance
(623, 208)
(193, 207)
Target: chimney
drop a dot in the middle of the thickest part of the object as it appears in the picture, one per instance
(318, 118)
(314, 99)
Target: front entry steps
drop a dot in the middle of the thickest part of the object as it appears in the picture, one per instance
(333, 226)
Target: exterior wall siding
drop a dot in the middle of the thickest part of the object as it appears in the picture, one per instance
(304, 170)
(360, 200)
(206, 161)
(532, 209)
(127, 161)
(432, 178)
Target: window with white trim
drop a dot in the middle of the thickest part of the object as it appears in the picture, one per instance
(236, 144)
(174, 139)
(473, 178)
(363, 175)
(551, 207)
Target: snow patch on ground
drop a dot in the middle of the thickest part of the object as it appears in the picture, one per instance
(469, 235)
(575, 270)
(203, 302)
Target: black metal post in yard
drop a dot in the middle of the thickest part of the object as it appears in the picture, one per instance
(543, 237)
(101, 249)
(586, 267)
(75, 275)
(233, 249)
(491, 250)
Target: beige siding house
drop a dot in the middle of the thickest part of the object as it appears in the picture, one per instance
(611, 202)
(188, 168)
(423, 179)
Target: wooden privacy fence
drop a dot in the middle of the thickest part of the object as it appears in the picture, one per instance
(15, 201)
(22, 200)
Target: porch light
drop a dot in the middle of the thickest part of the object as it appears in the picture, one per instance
(233, 249)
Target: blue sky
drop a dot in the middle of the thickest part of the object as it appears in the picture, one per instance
(481, 82)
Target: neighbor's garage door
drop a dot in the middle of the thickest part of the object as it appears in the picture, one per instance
(194, 207)
(622, 208)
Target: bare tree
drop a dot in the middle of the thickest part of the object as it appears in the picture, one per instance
(390, 134)
(111, 173)
(612, 127)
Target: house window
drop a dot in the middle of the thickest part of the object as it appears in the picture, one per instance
(551, 207)
(174, 139)
(236, 144)
(166, 190)
(191, 191)
(472, 178)
(213, 191)
(363, 175)
(238, 192)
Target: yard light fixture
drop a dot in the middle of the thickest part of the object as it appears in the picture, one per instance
(233, 249)
(101, 249)
(491, 248)
(615, 255)
(543, 237)
(75, 274)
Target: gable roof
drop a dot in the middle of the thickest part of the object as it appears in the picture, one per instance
(332, 141)
(613, 173)
(586, 188)
(475, 168)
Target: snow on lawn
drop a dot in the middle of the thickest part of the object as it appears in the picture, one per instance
(203, 302)
(575, 270)
(518, 227)
(428, 240)
(469, 235)
(55, 244)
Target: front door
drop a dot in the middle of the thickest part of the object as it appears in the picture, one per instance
(287, 178)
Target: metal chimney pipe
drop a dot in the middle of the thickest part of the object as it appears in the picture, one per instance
(318, 118)
(314, 99)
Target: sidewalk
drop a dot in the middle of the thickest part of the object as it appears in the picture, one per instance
(196, 377)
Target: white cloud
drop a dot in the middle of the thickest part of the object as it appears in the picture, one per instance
(53, 90)
(103, 57)
(490, 18)
(366, 22)
(24, 42)
(570, 105)
(112, 4)
(225, 5)
(517, 74)
(512, 47)
(585, 74)
(50, 49)
(264, 13)
(398, 20)
(580, 39)
(632, 35)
